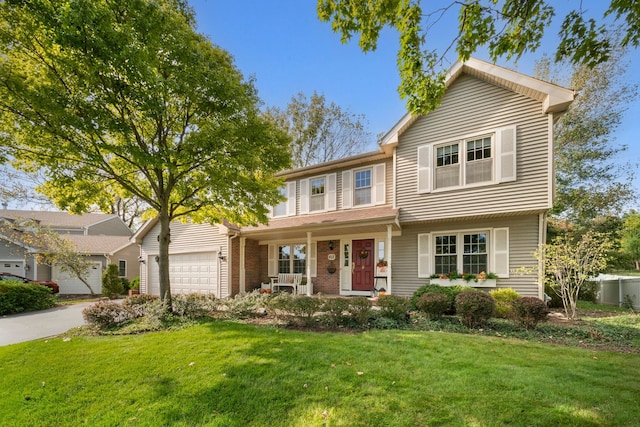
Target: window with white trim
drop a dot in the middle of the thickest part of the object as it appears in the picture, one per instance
(362, 193)
(122, 268)
(292, 259)
(470, 251)
(480, 159)
(317, 202)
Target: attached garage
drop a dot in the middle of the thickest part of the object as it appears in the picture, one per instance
(189, 273)
(72, 285)
(14, 267)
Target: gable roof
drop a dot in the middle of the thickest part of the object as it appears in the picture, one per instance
(98, 245)
(554, 98)
(58, 219)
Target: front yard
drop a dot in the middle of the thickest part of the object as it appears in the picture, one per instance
(221, 373)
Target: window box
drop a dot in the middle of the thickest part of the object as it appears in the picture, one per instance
(486, 283)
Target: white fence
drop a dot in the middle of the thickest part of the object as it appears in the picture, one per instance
(619, 291)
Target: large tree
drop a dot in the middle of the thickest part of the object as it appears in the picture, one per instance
(631, 237)
(593, 175)
(507, 28)
(126, 94)
(320, 131)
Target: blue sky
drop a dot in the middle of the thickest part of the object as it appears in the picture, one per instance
(283, 45)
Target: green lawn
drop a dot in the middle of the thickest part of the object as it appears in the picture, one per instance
(230, 374)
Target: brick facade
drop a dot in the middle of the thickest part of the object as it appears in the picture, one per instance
(325, 282)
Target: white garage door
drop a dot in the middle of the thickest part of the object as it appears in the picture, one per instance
(72, 285)
(189, 273)
(13, 267)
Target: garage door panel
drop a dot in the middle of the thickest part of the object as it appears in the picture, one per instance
(188, 273)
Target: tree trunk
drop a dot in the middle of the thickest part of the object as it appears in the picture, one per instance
(163, 263)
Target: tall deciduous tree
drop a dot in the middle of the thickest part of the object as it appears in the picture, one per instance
(506, 28)
(320, 131)
(126, 94)
(631, 237)
(593, 177)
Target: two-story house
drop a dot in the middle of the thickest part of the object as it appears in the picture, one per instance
(465, 188)
(104, 238)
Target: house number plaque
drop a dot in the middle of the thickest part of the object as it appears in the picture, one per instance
(331, 257)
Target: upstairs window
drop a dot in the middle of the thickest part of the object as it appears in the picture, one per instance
(362, 195)
(317, 202)
(281, 208)
(483, 159)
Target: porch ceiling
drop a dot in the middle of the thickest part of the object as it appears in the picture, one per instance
(353, 221)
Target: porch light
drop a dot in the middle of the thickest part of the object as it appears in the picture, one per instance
(330, 245)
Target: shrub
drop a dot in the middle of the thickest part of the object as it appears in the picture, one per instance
(451, 291)
(304, 308)
(360, 311)
(503, 299)
(529, 311)
(280, 305)
(137, 304)
(134, 284)
(193, 306)
(16, 297)
(126, 285)
(251, 304)
(474, 307)
(334, 309)
(111, 283)
(434, 304)
(394, 307)
(108, 314)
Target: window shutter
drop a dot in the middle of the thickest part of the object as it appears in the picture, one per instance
(500, 252)
(424, 169)
(347, 190)
(304, 196)
(313, 259)
(424, 255)
(506, 154)
(331, 192)
(291, 201)
(378, 184)
(273, 261)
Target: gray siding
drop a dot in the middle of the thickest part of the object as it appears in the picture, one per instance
(470, 106)
(186, 238)
(523, 241)
(110, 227)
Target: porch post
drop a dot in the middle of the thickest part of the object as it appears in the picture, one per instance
(308, 263)
(242, 286)
(388, 257)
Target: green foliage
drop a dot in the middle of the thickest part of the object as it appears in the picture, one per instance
(334, 311)
(503, 299)
(127, 98)
(394, 307)
(193, 306)
(588, 291)
(304, 308)
(508, 29)
(450, 291)
(360, 311)
(111, 283)
(251, 304)
(16, 297)
(631, 237)
(529, 311)
(474, 307)
(134, 284)
(433, 304)
(108, 314)
(569, 262)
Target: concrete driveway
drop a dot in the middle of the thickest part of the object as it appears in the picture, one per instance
(33, 325)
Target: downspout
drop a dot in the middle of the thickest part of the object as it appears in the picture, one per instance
(542, 240)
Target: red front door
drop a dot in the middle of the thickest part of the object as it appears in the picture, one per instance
(363, 257)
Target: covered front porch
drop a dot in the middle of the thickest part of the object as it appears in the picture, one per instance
(343, 253)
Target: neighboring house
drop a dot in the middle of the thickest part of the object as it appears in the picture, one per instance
(104, 237)
(464, 188)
